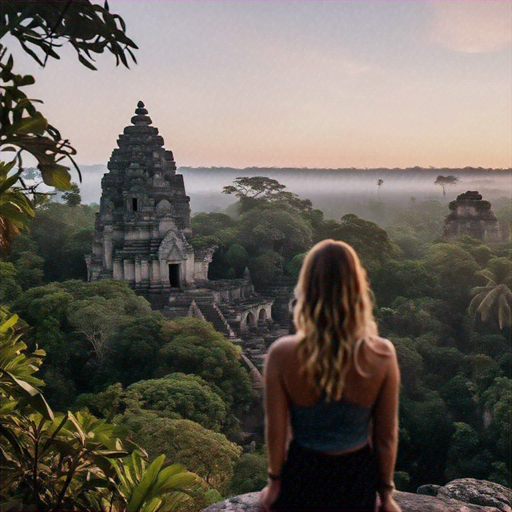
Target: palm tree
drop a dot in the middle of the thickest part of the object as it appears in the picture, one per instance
(496, 294)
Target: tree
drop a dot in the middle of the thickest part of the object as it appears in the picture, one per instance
(460, 395)
(197, 348)
(62, 315)
(63, 233)
(275, 228)
(29, 266)
(495, 295)
(406, 278)
(463, 445)
(410, 361)
(454, 269)
(10, 288)
(41, 28)
(258, 190)
(426, 430)
(97, 319)
(72, 197)
(70, 461)
(179, 396)
(134, 348)
(266, 268)
(379, 184)
(445, 181)
(497, 401)
(206, 224)
(249, 474)
(207, 453)
(369, 240)
(411, 317)
(237, 258)
(257, 186)
(294, 266)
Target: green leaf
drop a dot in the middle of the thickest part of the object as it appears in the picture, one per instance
(35, 125)
(77, 426)
(51, 439)
(143, 490)
(56, 175)
(39, 403)
(26, 388)
(85, 62)
(113, 454)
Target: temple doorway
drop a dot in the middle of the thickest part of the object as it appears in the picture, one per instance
(174, 275)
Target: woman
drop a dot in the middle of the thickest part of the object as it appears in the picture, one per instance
(332, 390)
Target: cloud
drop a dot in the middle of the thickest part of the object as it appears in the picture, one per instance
(471, 26)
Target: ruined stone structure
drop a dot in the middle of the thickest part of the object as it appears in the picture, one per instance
(142, 236)
(144, 220)
(470, 215)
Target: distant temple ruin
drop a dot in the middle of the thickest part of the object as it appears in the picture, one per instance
(470, 215)
(143, 236)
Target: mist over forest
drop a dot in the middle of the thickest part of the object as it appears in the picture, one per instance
(338, 191)
(334, 191)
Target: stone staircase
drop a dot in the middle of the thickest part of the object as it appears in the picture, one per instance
(212, 314)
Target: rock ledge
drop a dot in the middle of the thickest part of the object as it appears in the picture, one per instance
(461, 495)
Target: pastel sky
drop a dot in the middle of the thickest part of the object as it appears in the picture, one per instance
(298, 83)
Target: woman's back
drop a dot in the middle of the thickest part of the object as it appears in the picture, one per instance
(361, 387)
(333, 426)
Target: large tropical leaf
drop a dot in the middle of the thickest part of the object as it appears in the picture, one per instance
(495, 297)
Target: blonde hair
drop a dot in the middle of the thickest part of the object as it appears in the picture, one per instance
(333, 315)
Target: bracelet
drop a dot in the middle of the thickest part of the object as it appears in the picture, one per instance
(273, 477)
(386, 486)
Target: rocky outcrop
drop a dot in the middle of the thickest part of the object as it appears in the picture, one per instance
(462, 495)
(478, 492)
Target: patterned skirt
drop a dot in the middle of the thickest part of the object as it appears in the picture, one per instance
(312, 480)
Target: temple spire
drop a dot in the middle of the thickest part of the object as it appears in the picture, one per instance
(141, 118)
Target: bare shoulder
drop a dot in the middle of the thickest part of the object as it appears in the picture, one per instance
(381, 346)
(278, 354)
(282, 347)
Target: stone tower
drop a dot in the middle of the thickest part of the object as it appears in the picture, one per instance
(472, 216)
(143, 224)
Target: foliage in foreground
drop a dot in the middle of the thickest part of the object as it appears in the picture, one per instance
(41, 28)
(69, 461)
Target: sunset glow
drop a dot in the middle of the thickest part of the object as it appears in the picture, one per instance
(298, 83)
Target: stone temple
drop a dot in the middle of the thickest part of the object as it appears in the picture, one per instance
(144, 221)
(143, 236)
(471, 215)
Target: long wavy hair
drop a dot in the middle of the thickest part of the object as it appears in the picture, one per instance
(333, 315)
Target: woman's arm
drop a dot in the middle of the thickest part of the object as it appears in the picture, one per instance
(277, 431)
(276, 410)
(385, 428)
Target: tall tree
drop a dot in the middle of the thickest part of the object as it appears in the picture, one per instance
(379, 184)
(445, 181)
(257, 186)
(253, 191)
(72, 197)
